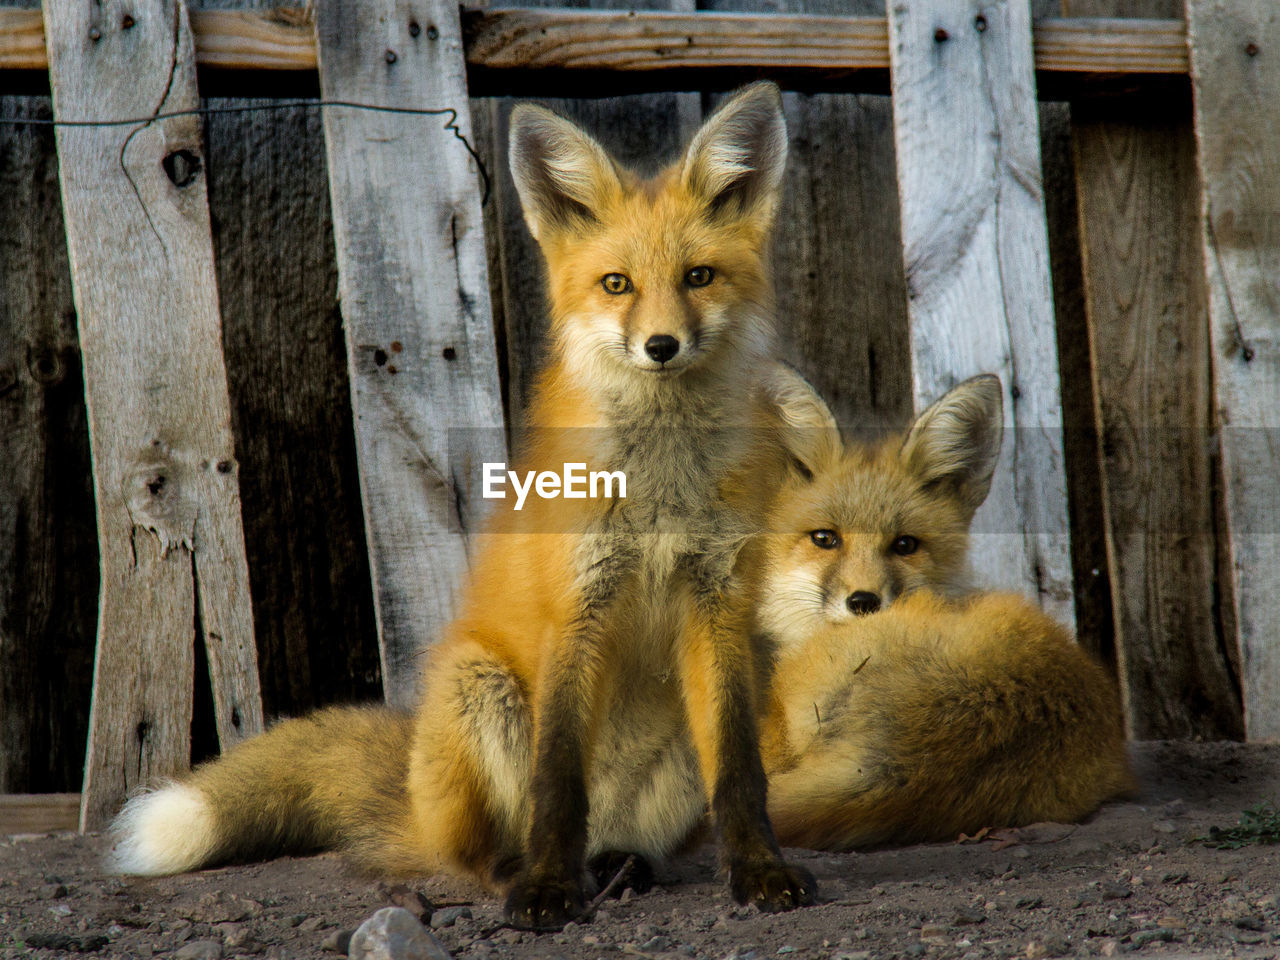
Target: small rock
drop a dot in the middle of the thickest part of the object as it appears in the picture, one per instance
(60, 910)
(1172, 923)
(393, 933)
(1116, 890)
(1159, 935)
(1048, 947)
(1182, 877)
(786, 948)
(339, 941)
(199, 950)
(1029, 903)
(1248, 922)
(967, 915)
(933, 931)
(1251, 938)
(1108, 948)
(295, 919)
(1174, 808)
(448, 916)
(52, 891)
(646, 931)
(1164, 826)
(852, 955)
(236, 937)
(402, 896)
(916, 950)
(657, 945)
(312, 924)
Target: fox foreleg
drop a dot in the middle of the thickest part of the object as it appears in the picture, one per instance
(719, 671)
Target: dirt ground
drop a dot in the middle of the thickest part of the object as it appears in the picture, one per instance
(1127, 881)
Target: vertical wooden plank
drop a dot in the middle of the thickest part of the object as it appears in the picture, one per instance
(48, 544)
(291, 403)
(1235, 71)
(1139, 225)
(415, 302)
(164, 471)
(977, 263)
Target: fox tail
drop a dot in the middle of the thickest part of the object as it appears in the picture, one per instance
(331, 780)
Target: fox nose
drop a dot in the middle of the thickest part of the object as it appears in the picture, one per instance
(661, 347)
(863, 601)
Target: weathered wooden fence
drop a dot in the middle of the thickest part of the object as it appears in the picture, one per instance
(196, 337)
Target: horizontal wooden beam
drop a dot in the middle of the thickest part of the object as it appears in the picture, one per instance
(648, 50)
(38, 812)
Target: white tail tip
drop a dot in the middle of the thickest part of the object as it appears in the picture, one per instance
(164, 831)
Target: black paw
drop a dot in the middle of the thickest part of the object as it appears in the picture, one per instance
(605, 866)
(772, 885)
(542, 904)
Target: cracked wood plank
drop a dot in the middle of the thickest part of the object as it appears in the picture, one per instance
(1144, 285)
(165, 483)
(1235, 74)
(977, 265)
(413, 287)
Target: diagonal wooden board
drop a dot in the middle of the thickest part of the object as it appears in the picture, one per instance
(1235, 73)
(414, 293)
(977, 264)
(165, 480)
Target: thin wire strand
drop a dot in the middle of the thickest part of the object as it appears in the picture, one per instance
(451, 124)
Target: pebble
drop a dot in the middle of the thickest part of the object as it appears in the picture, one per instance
(657, 945)
(393, 933)
(199, 950)
(1029, 903)
(448, 916)
(933, 931)
(338, 941)
(236, 936)
(52, 891)
(1158, 935)
(1250, 923)
(916, 950)
(402, 896)
(966, 915)
(852, 955)
(312, 924)
(1116, 890)
(1048, 947)
(1164, 826)
(1109, 948)
(60, 910)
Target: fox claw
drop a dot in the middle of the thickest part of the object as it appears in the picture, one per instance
(773, 886)
(543, 906)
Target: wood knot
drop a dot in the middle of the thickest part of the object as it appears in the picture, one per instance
(181, 167)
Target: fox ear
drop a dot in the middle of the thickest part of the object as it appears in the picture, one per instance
(805, 426)
(956, 441)
(735, 161)
(561, 174)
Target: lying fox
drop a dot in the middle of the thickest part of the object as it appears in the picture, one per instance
(599, 688)
(905, 708)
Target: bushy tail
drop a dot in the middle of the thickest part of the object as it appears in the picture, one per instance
(991, 718)
(331, 780)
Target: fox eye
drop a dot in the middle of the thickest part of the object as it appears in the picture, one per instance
(699, 276)
(826, 539)
(905, 545)
(616, 283)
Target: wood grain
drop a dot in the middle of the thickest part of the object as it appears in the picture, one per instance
(164, 468)
(415, 304)
(1137, 189)
(38, 812)
(976, 254)
(48, 541)
(1235, 75)
(652, 41)
(291, 405)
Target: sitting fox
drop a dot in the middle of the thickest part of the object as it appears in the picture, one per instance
(904, 707)
(598, 691)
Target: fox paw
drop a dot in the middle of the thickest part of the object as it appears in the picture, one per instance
(605, 866)
(772, 885)
(543, 905)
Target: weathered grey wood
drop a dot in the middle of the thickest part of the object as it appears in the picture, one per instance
(290, 401)
(641, 131)
(164, 469)
(415, 302)
(976, 254)
(48, 544)
(1139, 221)
(1235, 75)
